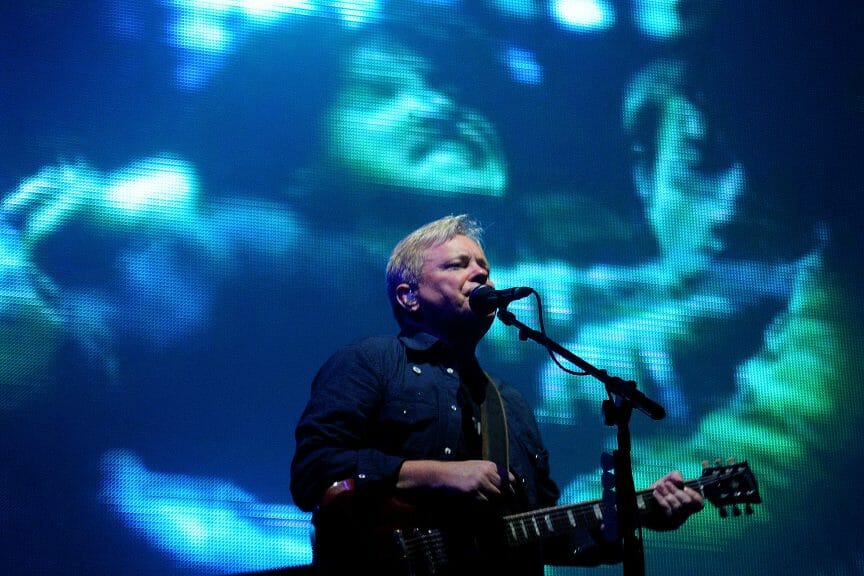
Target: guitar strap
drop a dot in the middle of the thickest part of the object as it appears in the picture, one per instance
(493, 427)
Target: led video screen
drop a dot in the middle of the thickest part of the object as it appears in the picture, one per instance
(199, 198)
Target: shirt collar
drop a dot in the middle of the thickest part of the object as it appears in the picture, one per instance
(419, 341)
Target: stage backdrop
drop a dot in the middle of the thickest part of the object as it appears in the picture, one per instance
(199, 198)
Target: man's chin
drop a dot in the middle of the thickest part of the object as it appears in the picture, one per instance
(483, 324)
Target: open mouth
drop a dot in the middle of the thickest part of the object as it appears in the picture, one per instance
(449, 135)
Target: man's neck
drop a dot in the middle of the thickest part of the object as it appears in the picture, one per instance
(462, 348)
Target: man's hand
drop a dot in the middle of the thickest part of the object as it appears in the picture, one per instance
(155, 194)
(676, 500)
(481, 479)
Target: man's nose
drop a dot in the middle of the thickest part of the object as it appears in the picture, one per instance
(432, 106)
(479, 274)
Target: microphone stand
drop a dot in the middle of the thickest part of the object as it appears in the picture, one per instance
(626, 398)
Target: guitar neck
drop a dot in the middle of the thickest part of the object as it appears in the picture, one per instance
(527, 527)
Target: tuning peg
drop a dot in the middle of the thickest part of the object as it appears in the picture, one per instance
(705, 464)
(723, 512)
(718, 461)
(748, 509)
(730, 461)
(736, 511)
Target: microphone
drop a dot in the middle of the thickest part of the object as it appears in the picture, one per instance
(484, 299)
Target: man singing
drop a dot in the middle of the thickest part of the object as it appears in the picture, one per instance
(432, 453)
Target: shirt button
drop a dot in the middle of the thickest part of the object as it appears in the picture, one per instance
(416, 369)
(447, 451)
(453, 407)
(361, 476)
(449, 370)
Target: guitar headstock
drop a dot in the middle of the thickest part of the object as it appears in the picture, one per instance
(729, 484)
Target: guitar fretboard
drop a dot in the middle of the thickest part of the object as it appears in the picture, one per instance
(535, 525)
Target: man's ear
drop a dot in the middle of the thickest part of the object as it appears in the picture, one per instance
(406, 297)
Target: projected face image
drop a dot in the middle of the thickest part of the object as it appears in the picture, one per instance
(42, 306)
(688, 195)
(783, 393)
(677, 323)
(392, 126)
(153, 284)
(154, 193)
(31, 324)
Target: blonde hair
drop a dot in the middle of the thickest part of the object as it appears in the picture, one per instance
(405, 265)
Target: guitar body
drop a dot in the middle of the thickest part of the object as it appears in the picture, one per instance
(390, 536)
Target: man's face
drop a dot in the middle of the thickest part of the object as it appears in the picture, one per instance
(392, 126)
(681, 134)
(451, 271)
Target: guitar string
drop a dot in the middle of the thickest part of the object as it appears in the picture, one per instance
(564, 517)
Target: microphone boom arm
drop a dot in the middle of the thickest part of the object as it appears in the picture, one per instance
(616, 386)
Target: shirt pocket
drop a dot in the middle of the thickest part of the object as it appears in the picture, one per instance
(408, 426)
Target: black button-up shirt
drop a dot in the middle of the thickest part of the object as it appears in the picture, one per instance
(383, 400)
